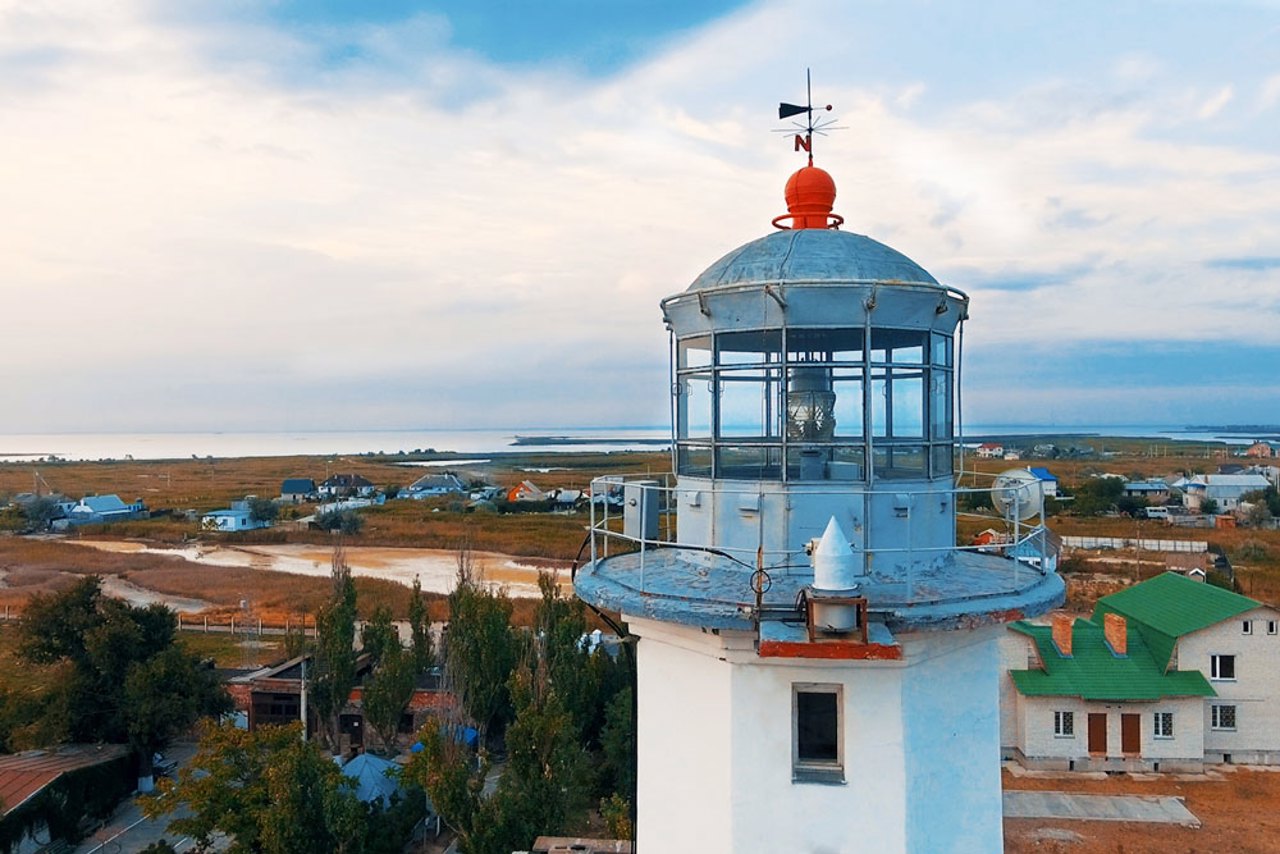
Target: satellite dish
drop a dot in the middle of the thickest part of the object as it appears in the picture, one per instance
(1017, 494)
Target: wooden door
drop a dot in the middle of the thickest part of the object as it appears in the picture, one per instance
(1098, 732)
(1131, 734)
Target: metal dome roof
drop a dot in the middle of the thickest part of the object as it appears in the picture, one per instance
(812, 255)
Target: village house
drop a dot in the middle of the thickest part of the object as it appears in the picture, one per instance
(101, 509)
(1154, 491)
(525, 490)
(1048, 481)
(432, 485)
(1225, 489)
(1263, 449)
(273, 695)
(296, 490)
(236, 518)
(346, 486)
(990, 451)
(1169, 674)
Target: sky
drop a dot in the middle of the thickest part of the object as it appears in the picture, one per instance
(302, 215)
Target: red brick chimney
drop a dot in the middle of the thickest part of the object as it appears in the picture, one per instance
(1062, 634)
(1116, 631)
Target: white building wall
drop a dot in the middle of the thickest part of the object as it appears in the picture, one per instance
(952, 736)
(682, 735)
(921, 747)
(1255, 692)
(1015, 654)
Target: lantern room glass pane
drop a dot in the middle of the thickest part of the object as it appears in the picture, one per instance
(695, 407)
(824, 345)
(694, 352)
(942, 460)
(940, 409)
(900, 346)
(848, 406)
(908, 405)
(695, 461)
(749, 348)
(879, 405)
(893, 462)
(941, 350)
(749, 462)
(750, 403)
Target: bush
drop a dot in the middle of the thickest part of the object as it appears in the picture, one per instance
(344, 521)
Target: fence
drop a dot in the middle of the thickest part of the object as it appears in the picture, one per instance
(1096, 543)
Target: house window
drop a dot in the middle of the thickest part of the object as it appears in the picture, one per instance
(1223, 717)
(1064, 724)
(817, 753)
(1246, 627)
(1271, 627)
(1163, 725)
(1222, 667)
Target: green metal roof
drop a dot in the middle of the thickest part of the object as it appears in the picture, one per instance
(1174, 605)
(1093, 672)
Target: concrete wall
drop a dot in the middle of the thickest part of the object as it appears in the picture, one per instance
(920, 740)
(1255, 692)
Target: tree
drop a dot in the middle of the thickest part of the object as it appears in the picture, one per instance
(39, 512)
(420, 629)
(126, 680)
(164, 696)
(333, 673)
(379, 635)
(1209, 506)
(263, 509)
(542, 789)
(1097, 495)
(481, 649)
(345, 522)
(387, 692)
(265, 791)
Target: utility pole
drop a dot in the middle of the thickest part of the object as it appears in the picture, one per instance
(304, 687)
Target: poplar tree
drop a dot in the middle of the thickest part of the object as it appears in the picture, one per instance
(333, 671)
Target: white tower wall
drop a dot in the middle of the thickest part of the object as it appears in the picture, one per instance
(920, 740)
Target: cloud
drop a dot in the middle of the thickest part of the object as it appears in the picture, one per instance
(1214, 104)
(216, 220)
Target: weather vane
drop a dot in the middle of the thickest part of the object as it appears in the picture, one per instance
(811, 125)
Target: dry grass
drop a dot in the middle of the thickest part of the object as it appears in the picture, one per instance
(207, 484)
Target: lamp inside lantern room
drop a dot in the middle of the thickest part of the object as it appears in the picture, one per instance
(811, 405)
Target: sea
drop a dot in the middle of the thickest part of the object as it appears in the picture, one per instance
(474, 443)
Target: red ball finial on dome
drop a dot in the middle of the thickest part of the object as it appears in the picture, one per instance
(810, 195)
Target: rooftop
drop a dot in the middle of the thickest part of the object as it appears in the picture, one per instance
(1094, 672)
(812, 255)
(22, 775)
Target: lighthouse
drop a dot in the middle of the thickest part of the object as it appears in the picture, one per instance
(817, 666)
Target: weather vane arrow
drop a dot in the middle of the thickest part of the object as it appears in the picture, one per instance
(810, 126)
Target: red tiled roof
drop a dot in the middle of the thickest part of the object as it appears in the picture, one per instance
(22, 775)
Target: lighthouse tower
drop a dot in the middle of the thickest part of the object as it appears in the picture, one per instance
(816, 657)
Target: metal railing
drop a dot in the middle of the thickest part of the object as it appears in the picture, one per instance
(1024, 540)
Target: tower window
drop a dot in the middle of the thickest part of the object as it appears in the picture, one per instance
(817, 754)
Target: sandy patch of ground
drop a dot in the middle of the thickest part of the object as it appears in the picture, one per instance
(435, 568)
(118, 588)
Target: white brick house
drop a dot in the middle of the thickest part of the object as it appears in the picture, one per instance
(1167, 675)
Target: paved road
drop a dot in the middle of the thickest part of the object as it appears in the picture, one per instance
(1062, 805)
(128, 832)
